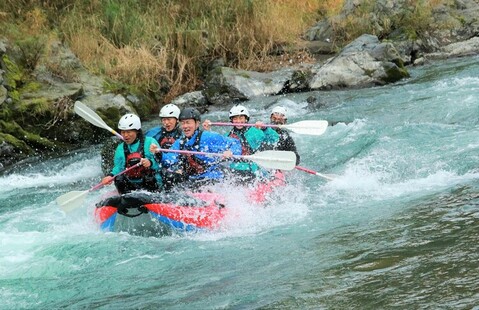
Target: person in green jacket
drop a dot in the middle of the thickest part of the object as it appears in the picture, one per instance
(134, 149)
(252, 139)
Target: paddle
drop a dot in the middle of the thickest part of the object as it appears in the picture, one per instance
(311, 127)
(89, 115)
(283, 160)
(328, 177)
(74, 199)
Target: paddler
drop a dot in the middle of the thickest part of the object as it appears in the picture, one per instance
(134, 149)
(285, 143)
(252, 140)
(191, 169)
(170, 130)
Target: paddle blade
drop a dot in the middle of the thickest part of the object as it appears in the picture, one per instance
(89, 115)
(284, 160)
(71, 200)
(311, 127)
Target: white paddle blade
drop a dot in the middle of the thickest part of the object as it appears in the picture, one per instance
(283, 160)
(71, 200)
(90, 116)
(311, 127)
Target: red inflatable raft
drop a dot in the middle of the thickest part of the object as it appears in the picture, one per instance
(145, 213)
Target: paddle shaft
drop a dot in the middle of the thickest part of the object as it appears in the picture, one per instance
(309, 127)
(314, 172)
(244, 124)
(99, 185)
(116, 134)
(126, 170)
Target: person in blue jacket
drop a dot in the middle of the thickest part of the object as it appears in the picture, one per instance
(134, 149)
(170, 130)
(195, 169)
(252, 139)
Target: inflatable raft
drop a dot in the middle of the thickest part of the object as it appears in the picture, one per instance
(144, 213)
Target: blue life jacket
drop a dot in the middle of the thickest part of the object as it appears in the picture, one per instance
(201, 166)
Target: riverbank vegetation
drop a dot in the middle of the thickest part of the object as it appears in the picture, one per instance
(166, 47)
(163, 47)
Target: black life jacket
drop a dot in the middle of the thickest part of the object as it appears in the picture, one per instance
(236, 133)
(167, 138)
(191, 164)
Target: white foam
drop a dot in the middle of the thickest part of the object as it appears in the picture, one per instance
(360, 184)
(69, 174)
(285, 206)
(458, 83)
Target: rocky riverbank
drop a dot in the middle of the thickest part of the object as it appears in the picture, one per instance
(37, 117)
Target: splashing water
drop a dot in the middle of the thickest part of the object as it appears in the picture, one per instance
(398, 227)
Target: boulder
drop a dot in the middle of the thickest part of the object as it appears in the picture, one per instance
(428, 28)
(225, 84)
(458, 49)
(194, 99)
(364, 62)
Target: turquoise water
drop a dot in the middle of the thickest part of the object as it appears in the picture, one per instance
(398, 227)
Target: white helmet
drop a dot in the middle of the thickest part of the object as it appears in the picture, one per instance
(170, 110)
(239, 110)
(129, 122)
(280, 110)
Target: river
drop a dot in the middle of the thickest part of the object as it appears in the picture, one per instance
(397, 228)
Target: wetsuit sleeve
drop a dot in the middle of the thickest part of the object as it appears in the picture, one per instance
(270, 136)
(291, 146)
(119, 161)
(148, 142)
(255, 138)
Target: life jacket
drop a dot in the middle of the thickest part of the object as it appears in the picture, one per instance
(167, 138)
(236, 133)
(191, 164)
(133, 159)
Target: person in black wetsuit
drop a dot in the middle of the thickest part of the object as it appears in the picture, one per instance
(286, 143)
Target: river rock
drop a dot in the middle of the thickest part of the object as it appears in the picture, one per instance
(441, 23)
(459, 49)
(194, 99)
(363, 62)
(224, 84)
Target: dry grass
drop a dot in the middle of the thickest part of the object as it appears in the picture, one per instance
(329, 8)
(169, 44)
